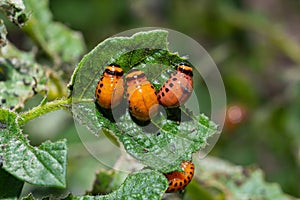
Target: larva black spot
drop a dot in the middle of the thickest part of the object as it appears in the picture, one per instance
(101, 78)
(174, 79)
(99, 91)
(176, 184)
(180, 183)
(167, 90)
(101, 85)
(171, 84)
(98, 96)
(170, 183)
(163, 94)
(185, 181)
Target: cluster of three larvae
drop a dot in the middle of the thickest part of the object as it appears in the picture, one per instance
(142, 97)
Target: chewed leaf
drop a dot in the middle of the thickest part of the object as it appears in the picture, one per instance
(89, 70)
(165, 142)
(85, 76)
(14, 10)
(20, 77)
(44, 165)
(166, 148)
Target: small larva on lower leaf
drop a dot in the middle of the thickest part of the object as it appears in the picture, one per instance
(179, 180)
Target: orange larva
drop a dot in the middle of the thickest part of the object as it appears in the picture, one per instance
(141, 96)
(179, 180)
(110, 88)
(178, 88)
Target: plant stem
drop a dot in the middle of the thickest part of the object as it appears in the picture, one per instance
(43, 109)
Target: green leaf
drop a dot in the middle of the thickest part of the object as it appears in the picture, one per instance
(165, 143)
(59, 42)
(173, 143)
(14, 10)
(44, 165)
(11, 187)
(145, 184)
(235, 181)
(20, 77)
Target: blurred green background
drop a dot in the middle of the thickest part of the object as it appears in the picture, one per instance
(255, 45)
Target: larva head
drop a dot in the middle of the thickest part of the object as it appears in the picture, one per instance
(178, 88)
(185, 68)
(113, 70)
(135, 76)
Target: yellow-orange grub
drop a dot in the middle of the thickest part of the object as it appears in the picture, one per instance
(141, 96)
(179, 180)
(110, 88)
(178, 88)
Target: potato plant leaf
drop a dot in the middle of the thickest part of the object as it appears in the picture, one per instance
(20, 77)
(14, 10)
(145, 184)
(164, 143)
(44, 165)
(166, 148)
